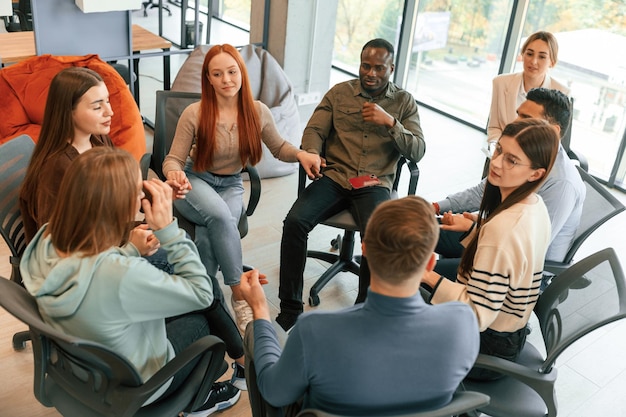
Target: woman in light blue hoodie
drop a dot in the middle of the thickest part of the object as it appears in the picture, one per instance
(91, 283)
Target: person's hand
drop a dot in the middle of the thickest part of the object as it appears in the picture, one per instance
(144, 240)
(312, 164)
(179, 182)
(159, 212)
(457, 222)
(253, 293)
(373, 113)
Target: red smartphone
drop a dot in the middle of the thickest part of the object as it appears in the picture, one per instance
(364, 181)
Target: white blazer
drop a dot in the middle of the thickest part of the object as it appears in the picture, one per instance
(504, 101)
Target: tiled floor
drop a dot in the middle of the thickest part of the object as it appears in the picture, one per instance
(592, 378)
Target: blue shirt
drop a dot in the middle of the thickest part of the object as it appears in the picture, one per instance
(387, 354)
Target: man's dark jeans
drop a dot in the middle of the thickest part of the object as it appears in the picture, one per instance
(320, 200)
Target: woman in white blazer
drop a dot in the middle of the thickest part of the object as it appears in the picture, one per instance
(539, 54)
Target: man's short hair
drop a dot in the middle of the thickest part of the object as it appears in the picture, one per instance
(556, 106)
(400, 238)
(379, 43)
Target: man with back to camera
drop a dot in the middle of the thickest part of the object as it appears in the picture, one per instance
(362, 127)
(392, 354)
(563, 191)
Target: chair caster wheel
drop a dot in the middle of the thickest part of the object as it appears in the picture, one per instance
(314, 300)
(335, 244)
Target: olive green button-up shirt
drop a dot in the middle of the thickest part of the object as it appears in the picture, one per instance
(353, 147)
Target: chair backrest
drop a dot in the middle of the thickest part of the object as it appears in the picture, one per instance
(14, 158)
(599, 206)
(566, 140)
(79, 377)
(567, 312)
(462, 402)
(169, 107)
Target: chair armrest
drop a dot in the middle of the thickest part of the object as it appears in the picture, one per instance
(518, 371)
(255, 189)
(144, 164)
(414, 173)
(198, 348)
(414, 176)
(582, 160)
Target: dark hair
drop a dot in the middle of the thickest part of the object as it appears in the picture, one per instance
(556, 106)
(547, 37)
(379, 43)
(248, 121)
(99, 190)
(540, 144)
(400, 237)
(57, 129)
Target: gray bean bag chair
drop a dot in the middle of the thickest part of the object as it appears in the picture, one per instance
(269, 85)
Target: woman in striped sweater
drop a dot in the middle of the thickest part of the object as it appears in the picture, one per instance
(506, 242)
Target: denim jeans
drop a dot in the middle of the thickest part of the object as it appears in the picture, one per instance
(319, 201)
(215, 204)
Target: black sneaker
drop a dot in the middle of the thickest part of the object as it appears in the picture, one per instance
(286, 320)
(223, 395)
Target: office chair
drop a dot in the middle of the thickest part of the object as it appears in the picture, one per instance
(22, 18)
(462, 402)
(565, 314)
(83, 378)
(14, 159)
(150, 4)
(566, 139)
(169, 106)
(599, 206)
(346, 261)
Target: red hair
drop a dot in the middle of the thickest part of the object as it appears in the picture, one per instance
(248, 123)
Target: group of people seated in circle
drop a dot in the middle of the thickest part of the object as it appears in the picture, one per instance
(147, 291)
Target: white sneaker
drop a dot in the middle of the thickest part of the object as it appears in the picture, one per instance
(243, 313)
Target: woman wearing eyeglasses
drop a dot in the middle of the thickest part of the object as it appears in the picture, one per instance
(505, 243)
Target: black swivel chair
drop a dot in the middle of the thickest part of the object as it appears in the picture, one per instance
(83, 378)
(599, 206)
(345, 261)
(566, 314)
(14, 159)
(22, 18)
(150, 4)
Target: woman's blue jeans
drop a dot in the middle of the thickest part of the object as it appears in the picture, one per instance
(215, 204)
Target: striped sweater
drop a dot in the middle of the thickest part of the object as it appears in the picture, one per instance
(507, 270)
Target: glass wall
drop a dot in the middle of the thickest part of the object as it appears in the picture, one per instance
(456, 52)
(592, 38)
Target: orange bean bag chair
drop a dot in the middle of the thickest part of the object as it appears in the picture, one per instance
(24, 90)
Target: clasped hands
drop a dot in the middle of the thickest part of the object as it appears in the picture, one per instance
(458, 222)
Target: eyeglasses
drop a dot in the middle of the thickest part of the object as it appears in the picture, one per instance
(508, 161)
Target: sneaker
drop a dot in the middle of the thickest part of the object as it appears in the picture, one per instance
(243, 313)
(223, 395)
(239, 377)
(286, 320)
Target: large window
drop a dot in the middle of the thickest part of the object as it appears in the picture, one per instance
(456, 53)
(358, 21)
(592, 38)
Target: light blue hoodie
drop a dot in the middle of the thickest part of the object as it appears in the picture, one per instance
(117, 298)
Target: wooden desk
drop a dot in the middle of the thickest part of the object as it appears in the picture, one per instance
(18, 46)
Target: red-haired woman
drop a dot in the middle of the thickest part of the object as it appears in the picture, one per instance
(215, 138)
